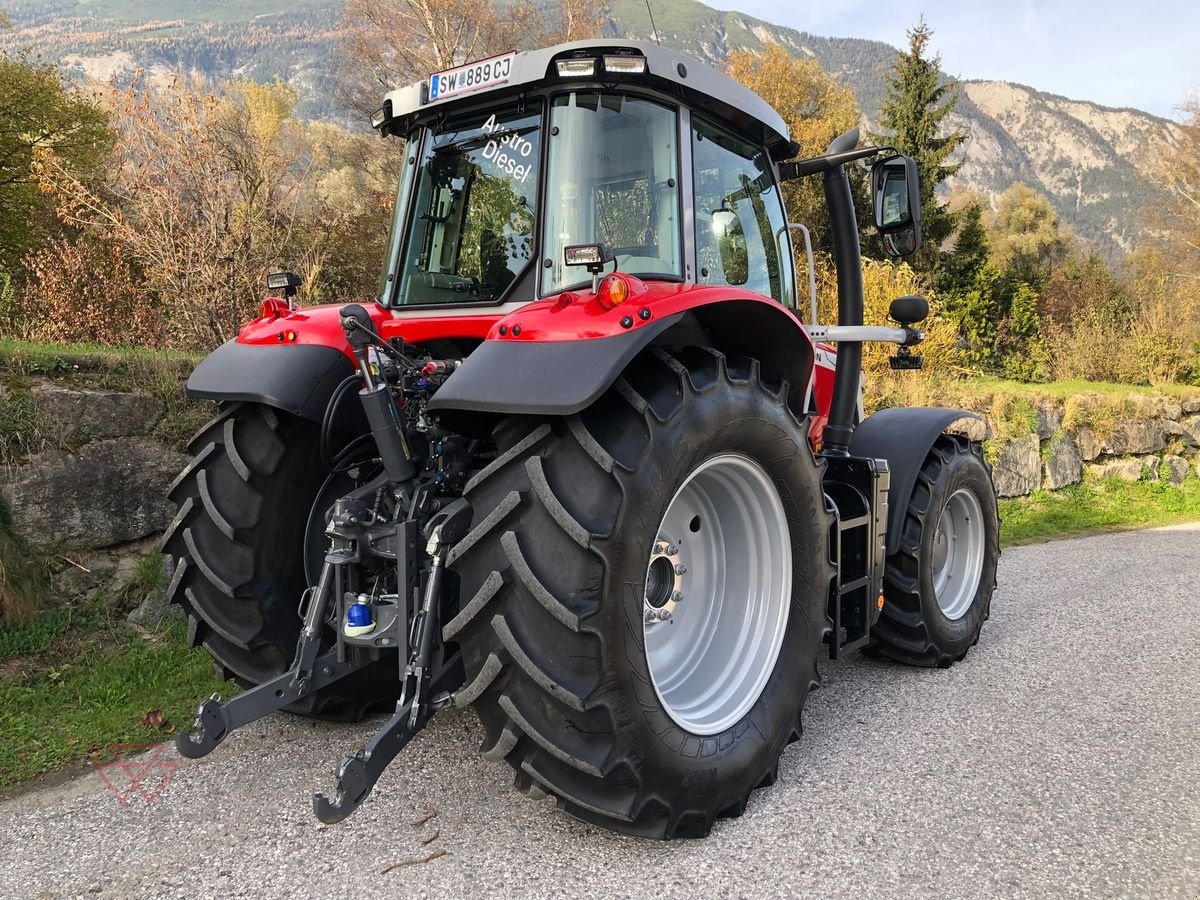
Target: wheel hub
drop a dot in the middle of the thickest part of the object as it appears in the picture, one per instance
(957, 557)
(664, 582)
(717, 592)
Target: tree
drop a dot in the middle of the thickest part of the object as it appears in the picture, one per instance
(960, 266)
(914, 110)
(395, 42)
(816, 109)
(1175, 169)
(208, 195)
(1027, 238)
(41, 114)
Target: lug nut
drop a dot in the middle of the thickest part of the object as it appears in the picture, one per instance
(677, 596)
(672, 550)
(651, 617)
(681, 570)
(664, 615)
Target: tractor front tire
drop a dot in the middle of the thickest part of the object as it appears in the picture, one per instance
(238, 546)
(554, 578)
(938, 586)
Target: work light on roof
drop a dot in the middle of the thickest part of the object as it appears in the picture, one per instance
(625, 65)
(576, 68)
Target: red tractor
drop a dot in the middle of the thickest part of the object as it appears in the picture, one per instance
(600, 481)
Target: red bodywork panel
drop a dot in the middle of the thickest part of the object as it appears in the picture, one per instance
(823, 372)
(571, 316)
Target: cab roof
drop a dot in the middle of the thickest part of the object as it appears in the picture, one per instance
(699, 86)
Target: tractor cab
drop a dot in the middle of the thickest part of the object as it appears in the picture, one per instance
(664, 165)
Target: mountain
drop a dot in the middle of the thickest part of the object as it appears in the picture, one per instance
(1089, 159)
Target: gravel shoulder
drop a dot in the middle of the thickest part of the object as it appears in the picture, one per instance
(1060, 758)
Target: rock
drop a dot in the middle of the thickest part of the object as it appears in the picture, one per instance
(1063, 465)
(155, 609)
(83, 577)
(1167, 408)
(110, 492)
(95, 414)
(1049, 419)
(1125, 469)
(122, 579)
(1018, 469)
(1139, 406)
(1150, 467)
(1177, 469)
(1135, 436)
(1191, 430)
(1087, 444)
(973, 429)
(1191, 405)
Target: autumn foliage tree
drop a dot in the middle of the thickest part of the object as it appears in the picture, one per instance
(206, 194)
(390, 43)
(41, 113)
(816, 109)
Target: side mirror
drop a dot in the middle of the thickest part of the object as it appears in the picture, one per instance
(731, 245)
(896, 199)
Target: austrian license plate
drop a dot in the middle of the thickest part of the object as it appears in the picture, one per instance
(485, 73)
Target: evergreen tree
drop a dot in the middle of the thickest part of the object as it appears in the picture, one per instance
(960, 267)
(914, 111)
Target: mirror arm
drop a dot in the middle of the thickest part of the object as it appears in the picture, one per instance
(789, 171)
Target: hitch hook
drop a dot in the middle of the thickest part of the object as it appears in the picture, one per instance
(357, 774)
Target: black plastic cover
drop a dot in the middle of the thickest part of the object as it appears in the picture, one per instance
(549, 378)
(904, 437)
(297, 378)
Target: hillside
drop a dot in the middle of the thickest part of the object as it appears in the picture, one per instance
(1088, 158)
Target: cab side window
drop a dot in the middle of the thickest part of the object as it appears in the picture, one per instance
(741, 236)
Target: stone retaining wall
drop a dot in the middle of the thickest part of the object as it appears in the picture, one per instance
(96, 508)
(1152, 438)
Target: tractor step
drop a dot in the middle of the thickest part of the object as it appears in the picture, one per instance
(856, 491)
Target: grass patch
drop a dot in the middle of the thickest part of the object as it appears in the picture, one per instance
(72, 683)
(159, 373)
(1097, 505)
(24, 577)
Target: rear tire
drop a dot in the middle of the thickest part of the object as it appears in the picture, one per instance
(930, 616)
(238, 545)
(553, 596)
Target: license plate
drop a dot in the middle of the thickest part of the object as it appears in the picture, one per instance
(485, 73)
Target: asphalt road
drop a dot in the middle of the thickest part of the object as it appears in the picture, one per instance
(1060, 758)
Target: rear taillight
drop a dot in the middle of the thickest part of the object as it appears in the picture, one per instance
(613, 290)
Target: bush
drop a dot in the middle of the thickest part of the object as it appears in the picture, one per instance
(86, 291)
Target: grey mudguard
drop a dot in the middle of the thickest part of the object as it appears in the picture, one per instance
(547, 378)
(297, 378)
(903, 437)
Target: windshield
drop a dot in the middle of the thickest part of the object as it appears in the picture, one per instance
(470, 230)
(613, 179)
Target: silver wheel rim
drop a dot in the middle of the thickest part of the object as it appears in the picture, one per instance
(717, 590)
(957, 559)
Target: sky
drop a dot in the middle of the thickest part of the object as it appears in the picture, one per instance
(1144, 54)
